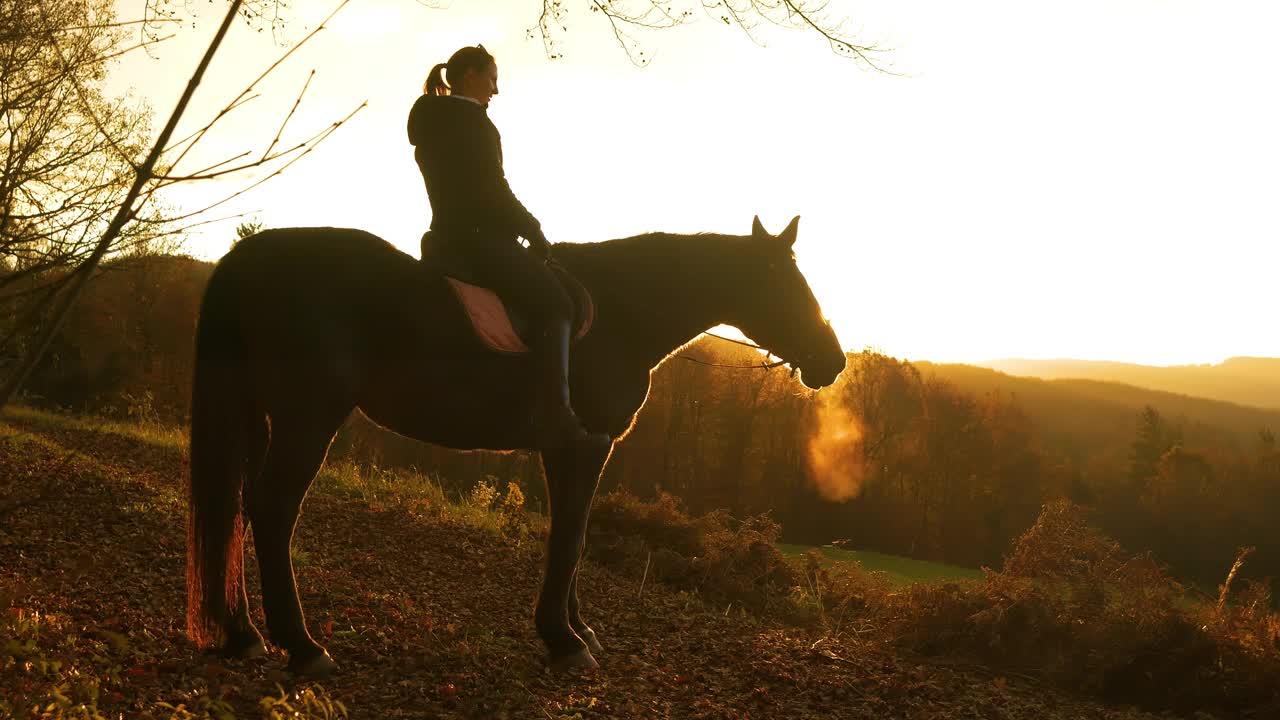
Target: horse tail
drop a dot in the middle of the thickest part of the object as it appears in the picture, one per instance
(220, 438)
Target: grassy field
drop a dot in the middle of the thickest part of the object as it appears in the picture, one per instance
(898, 570)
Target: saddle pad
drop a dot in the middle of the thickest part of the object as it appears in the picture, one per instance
(494, 326)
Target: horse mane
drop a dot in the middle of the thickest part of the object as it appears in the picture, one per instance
(657, 274)
(657, 239)
(647, 249)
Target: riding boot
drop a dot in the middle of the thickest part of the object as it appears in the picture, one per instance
(555, 423)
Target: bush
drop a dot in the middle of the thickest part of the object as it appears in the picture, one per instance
(1072, 608)
(1069, 607)
(714, 555)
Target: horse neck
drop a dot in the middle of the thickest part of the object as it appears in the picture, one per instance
(655, 291)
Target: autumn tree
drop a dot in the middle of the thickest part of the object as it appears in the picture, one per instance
(69, 151)
(1153, 440)
(149, 173)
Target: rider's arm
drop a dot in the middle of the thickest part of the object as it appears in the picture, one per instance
(492, 181)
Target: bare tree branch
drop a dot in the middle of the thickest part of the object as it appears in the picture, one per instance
(245, 93)
(292, 110)
(626, 16)
(309, 144)
(82, 273)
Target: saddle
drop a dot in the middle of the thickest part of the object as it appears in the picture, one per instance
(500, 327)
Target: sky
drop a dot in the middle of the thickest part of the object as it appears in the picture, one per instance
(1095, 179)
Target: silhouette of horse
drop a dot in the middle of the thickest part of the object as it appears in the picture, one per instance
(300, 326)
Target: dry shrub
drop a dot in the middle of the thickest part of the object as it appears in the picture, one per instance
(1061, 545)
(836, 594)
(714, 554)
(660, 523)
(1070, 607)
(742, 562)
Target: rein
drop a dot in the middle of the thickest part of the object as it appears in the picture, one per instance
(761, 366)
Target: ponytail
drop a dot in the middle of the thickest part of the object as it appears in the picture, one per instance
(435, 82)
(460, 63)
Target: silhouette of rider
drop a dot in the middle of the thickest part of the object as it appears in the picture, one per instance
(476, 216)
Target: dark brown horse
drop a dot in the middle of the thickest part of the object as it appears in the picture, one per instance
(300, 326)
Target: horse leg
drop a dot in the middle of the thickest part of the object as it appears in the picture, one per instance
(575, 620)
(243, 639)
(298, 449)
(572, 476)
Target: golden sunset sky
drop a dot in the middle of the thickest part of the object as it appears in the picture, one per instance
(1096, 179)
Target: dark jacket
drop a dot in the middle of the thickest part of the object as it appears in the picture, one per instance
(459, 152)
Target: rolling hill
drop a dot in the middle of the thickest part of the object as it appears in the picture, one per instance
(1242, 380)
(1082, 415)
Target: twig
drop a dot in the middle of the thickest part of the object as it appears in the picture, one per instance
(319, 137)
(1225, 591)
(198, 133)
(249, 88)
(645, 576)
(292, 110)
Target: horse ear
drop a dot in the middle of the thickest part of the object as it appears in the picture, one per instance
(788, 236)
(758, 231)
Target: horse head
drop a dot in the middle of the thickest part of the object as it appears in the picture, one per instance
(772, 304)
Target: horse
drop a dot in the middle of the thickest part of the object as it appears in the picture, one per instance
(298, 327)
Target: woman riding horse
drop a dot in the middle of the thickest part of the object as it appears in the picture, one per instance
(476, 216)
(299, 327)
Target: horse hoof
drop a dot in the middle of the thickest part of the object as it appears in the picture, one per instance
(593, 644)
(580, 660)
(317, 668)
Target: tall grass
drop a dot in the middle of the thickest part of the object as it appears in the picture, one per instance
(488, 504)
(151, 431)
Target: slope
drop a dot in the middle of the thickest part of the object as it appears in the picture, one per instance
(427, 617)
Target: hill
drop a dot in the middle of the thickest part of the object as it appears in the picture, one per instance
(1081, 416)
(1242, 380)
(93, 562)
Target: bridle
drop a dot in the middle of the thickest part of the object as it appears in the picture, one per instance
(762, 366)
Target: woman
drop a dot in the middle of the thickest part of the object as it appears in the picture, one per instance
(475, 214)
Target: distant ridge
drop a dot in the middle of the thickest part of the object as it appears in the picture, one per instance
(1084, 417)
(1253, 381)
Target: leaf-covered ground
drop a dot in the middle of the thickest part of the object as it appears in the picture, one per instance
(427, 617)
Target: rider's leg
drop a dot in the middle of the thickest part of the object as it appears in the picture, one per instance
(524, 280)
